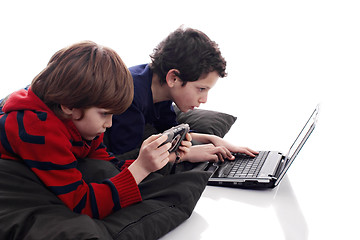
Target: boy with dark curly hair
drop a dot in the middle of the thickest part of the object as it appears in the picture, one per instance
(185, 67)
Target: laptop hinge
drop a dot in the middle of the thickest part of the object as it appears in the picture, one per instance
(280, 166)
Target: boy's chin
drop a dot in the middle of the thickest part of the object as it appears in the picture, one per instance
(187, 109)
(88, 138)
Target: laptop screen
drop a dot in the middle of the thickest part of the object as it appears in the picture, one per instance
(299, 142)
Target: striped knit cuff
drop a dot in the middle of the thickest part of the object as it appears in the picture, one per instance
(127, 188)
(127, 164)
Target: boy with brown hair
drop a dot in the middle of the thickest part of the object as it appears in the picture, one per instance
(62, 117)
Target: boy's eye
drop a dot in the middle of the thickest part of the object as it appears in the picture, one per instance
(105, 113)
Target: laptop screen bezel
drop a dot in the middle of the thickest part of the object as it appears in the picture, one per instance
(312, 121)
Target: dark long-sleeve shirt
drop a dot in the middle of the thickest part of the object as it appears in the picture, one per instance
(127, 129)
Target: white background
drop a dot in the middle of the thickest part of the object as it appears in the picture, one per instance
(283, 58)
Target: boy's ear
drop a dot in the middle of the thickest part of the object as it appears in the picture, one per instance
(73, 113)
(66, 110)
(171, 77)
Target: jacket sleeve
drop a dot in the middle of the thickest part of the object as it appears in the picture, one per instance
(43, 142)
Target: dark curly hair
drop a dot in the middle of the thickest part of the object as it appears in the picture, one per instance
(191, 52)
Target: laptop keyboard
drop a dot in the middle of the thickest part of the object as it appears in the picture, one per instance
(245, 166)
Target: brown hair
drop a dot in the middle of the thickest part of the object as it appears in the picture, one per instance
(85, 75)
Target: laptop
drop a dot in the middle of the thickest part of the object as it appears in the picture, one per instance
(266, 170)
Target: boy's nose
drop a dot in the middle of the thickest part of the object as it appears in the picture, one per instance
(203, 99)
(108, 122)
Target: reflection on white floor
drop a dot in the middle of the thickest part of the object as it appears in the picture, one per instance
(224, 212)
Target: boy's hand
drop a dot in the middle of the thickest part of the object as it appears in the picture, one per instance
(185, 146)
(230, 148)
(214, 148)
(151, 157)
(206, 152)
(210, 152)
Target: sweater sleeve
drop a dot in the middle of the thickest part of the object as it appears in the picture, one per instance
(43, 142)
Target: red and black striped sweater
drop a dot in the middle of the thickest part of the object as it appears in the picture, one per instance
(50, 147)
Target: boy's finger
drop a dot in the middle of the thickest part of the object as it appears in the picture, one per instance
(186, 143)
(165, 147)
(152, 138)
(188, 137)
(159, 140)
(184, 149)
(250, 152)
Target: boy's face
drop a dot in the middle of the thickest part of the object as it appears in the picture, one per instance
(194, 93)
(94, 122)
